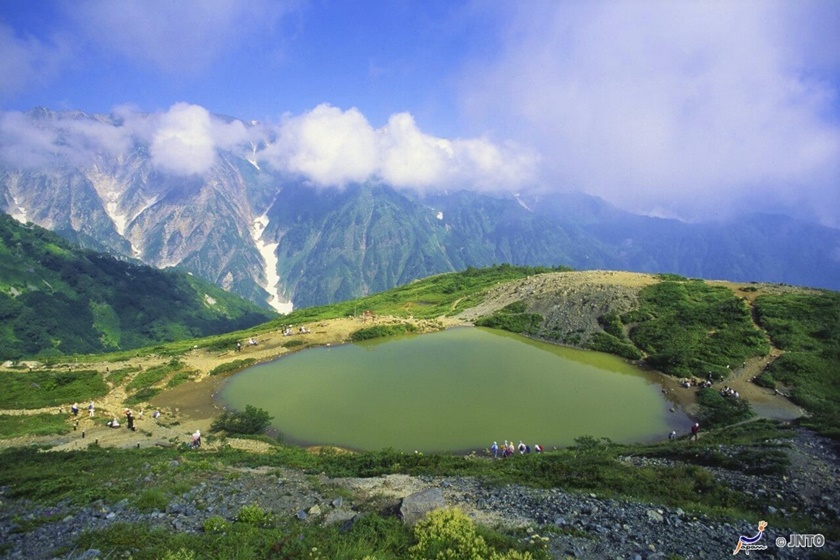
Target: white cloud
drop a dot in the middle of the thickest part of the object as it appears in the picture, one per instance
(329, 147)
(28, 141)
(689, 106)
(412, 159)
(27, 61)
(183, 142)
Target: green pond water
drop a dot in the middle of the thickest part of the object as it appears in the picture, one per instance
(454, 390)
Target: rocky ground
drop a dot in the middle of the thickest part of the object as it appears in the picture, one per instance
(575, 525)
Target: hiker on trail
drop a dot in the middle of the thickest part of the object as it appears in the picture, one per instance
(239, 347)
(91, 409)
(521, 447)
(538, 448)
(673, 435)
(196, 439)
(695, 430)
(495, 450)
(510, 449)
(156, 414)
(130, 419)
(527, 449)
(113, 423)
(75, 409)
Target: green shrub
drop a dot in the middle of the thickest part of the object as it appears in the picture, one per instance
(448, 534)
(152, 499)
(611, 323)
(14, 425)
(154, 375)
(717, 410)
(294, 343)
(253, 421)
(254, 515)
(180, 554)
(690, 328)
(605, 342)
(235, 365)
(179, 378)
(37, 389)
(141, 396)
(765, 379)
(216, 524)
(380, 331)
(118, 375)
(516, 322)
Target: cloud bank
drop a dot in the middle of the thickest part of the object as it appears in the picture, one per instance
(326, 146)
(682, 108)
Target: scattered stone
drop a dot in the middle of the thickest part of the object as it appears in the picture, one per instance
(655, 516)
(417, 505)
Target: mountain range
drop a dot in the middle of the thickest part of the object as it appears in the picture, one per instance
(281, 242)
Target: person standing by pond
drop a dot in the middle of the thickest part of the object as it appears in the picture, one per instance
(695, 431)
(495, 450)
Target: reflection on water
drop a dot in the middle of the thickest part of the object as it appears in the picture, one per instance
(454, 390)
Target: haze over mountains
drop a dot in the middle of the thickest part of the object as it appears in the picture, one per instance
(229, 212)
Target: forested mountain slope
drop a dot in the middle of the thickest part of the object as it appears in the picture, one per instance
(56, 298)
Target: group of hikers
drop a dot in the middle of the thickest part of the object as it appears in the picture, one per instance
(288, 330)
(251, 342)
(75, 409)
(114, 422)
(730, 392)
(129, 419)
(508, 449)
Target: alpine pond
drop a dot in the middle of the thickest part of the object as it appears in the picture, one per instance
(454, 390)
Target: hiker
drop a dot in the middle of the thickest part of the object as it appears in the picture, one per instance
(695, 430)
(527, 449)
(113, 423)
(521, 447)
(156, 414)
(495, 450)
(196, 439)
(75, 409)
(91, 409)
(239, 347)
(510, 449)
(673, 435)
(538, 448)
(130, 420)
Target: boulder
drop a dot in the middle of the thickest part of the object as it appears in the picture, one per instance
(416, 505)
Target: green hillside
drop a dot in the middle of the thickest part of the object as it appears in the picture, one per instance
(57, 299)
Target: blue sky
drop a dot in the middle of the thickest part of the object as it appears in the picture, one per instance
(692, 109)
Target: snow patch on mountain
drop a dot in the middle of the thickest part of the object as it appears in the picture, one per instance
(108, 188)
(18, 212)
(269, 255)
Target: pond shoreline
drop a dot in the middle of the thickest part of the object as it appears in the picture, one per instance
(192, 405)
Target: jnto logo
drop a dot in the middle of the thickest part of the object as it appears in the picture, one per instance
(749, 543)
